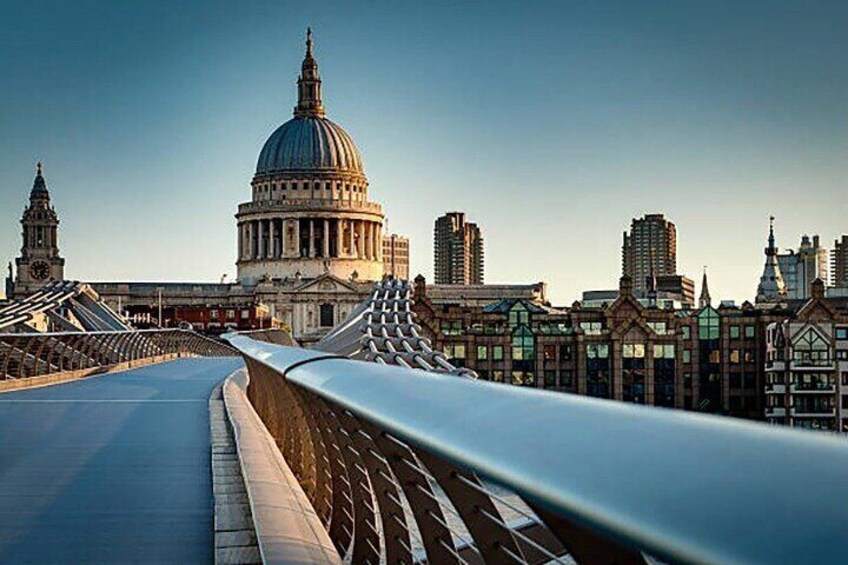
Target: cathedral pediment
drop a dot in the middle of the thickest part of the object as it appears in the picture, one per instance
(326, 283)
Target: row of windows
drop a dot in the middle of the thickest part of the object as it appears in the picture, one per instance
(735, 332)
(708, 328)
(523, 348)
(272, 187)
(230, 314)
(804, 378)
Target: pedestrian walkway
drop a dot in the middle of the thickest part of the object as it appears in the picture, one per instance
(114, 468)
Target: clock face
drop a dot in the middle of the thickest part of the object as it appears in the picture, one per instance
(39, 270)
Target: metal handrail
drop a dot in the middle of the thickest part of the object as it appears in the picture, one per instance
(26, 355)
(679, 486)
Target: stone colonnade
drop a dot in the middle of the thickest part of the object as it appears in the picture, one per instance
(292, 238)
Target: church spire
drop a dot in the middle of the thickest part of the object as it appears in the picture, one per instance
(772, 287)
(39, 187)
(309, 103)
(771, 250)
(705, 299)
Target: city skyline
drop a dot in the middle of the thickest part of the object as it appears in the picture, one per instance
(155, 139)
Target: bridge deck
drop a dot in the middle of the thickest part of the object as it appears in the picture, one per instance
(110, 469)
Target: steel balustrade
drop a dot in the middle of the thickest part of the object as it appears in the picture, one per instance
(383, 330)
(25, 355)
(401, 466)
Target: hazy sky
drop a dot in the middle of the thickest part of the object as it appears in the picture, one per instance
(550, 124)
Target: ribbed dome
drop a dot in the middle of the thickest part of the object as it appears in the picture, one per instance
(309, 143)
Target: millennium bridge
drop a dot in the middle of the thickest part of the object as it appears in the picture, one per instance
(166, 446)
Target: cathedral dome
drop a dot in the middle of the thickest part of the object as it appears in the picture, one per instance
(309, 143)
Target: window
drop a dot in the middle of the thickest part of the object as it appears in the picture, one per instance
(749, 332)
(455, 351)
(842, 354)
(325, 315)
(213, 313)
(685, 331)
(519, 315)
(660, 328)
(591, 328)
(549, 352)
(522, 378)
(708, 324)
(842, 333)
(734, 332)
(566, 378)
(735, 356)
(482, 352)
(687, 356)
(245, 314)
(664, 351)
(565, 352)
(597, 351)
(231, 314)
(497, 352)
(497, 376)
(523, 347)
(811, 350)
(633, 351)
(550, 379)
(452, 327)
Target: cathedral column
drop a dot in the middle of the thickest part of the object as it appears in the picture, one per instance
(240, 241)
(296, 252)
(262, 252)
(339, 239)
(326, 238)
(360, 244)
(251, 242)
(311, 237)
(350, 247)
(380, 242)
(374, 246)
(367, 240)
(272, 252)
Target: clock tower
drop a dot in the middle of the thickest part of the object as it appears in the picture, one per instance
(39, 262)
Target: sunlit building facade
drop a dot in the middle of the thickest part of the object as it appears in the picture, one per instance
(396, 256)
(457, 250)
(807, 366)
(705, 359)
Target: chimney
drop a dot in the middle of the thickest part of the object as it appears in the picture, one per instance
(625, 286)
(818, 288)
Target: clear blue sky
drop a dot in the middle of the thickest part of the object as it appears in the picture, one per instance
(550, 124)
